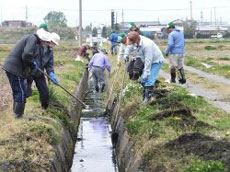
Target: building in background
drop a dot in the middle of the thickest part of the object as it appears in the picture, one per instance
(16, 23)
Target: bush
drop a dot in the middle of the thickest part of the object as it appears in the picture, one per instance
(206, 166)
(209, 47)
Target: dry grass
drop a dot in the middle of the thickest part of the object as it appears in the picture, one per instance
(28, 144)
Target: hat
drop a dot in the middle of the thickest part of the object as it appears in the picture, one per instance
(55, 38)
(171, 24)
(43, 35)
(121, 36)
(44, 26)
(131, 24)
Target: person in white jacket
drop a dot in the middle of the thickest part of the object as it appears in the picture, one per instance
(122, 39)
(150, 55)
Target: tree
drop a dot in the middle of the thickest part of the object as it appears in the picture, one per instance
(94, 32)
(55, 18)
(88, 29)
(190, 27)
(104, 32)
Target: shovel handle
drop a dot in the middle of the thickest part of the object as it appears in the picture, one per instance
(63, 88)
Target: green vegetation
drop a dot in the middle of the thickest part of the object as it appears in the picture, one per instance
(171, 131)
(206, 166)
(209, 47)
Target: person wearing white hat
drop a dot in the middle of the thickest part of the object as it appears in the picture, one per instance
(44, 62)
(19, 64)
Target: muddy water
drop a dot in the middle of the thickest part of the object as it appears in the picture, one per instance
(94, 151)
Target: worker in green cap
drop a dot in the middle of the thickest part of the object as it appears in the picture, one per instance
(43, 26)
(122, 41)
(132, 27)
(175, 51)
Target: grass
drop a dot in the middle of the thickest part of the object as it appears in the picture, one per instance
(175, 114)
(222, 70)
(29, 144)
(149, 134)
(213, 52)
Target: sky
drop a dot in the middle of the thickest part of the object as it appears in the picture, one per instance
(98, 12)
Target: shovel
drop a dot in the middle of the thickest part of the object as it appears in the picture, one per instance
(86, 106)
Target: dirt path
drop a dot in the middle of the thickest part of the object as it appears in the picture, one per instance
(211, 96)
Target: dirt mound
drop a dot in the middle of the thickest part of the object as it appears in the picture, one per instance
(182, 116)
(202, 146)
(184, 113)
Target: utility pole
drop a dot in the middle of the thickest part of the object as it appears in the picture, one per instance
(26, 14)
(80, 22)
(211, 16)
(201, 17)
(1, 14)
(191, 9)
(215, 14)
(123, 23)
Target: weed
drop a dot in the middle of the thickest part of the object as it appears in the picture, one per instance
(209, 47)
(206, 166)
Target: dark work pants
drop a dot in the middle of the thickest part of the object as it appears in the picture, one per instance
(18, 87)
(98, 77)
(42, 88)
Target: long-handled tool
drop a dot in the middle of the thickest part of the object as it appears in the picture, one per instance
(86, 106)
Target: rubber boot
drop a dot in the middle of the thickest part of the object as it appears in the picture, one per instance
(182, 80)
(19, 109)
(148, 94)
(102, 87)
(97, 88)
(173, 75)
(44, 105)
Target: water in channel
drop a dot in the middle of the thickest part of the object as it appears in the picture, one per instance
(94, 151)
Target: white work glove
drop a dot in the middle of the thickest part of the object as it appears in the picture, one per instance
(145, 76)
(126, 59)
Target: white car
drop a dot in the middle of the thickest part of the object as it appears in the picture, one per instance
(217, 36)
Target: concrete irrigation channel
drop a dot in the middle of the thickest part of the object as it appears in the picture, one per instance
(94, 150)
(97, 144)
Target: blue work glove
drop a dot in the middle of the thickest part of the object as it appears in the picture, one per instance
(35, 65)
(126, 59)
(53, 78)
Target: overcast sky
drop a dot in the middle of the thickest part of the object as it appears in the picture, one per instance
(98, 12)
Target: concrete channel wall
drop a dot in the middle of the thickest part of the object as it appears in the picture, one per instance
(127, 157)
(62, 161)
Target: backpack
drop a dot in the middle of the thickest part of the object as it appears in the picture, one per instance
(135, 68)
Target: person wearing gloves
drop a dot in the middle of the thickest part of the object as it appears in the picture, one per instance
(97, 66)
(122, 37)
(152, 58)
(175, 50)
(19, 64)
(44, 61)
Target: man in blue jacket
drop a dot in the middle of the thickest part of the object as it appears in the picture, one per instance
(175, 50)
(113, 39)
